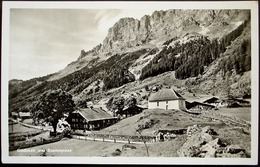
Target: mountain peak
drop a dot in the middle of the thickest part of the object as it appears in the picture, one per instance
(163, 25)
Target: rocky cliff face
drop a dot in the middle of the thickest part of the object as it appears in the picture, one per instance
(129, 34)
(92, 52)
(162, 25)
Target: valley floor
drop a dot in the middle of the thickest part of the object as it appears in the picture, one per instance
(18, 128)
(242, 112)
(231, 135)
(76, 147)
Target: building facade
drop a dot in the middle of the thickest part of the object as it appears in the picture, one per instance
(197, 106)
(24, 115)
(166, 99)
(90, 119)
(215, 101)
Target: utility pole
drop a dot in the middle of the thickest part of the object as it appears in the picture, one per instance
(84, 124)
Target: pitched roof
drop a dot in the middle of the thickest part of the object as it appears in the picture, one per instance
(212, 100)
(195, 103)
(14, 113)
(92, 114)
(165, 94)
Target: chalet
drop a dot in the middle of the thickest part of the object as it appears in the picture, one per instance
(166, 99)
(24, 115)
(90, 119)
(215, 101)
(198, 106)
(130, 111)
(172, 131)
(14, 115)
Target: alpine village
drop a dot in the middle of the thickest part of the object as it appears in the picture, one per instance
(176, 83)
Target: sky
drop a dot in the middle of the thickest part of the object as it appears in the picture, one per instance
(44, 41)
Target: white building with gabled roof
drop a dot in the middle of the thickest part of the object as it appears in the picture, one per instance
(166, 99)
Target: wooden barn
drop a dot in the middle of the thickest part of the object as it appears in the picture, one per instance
(90, 119)
(130, 111)
(24, 115)
(14, 115)
(215, 101)
(198, 106)
(166, 99)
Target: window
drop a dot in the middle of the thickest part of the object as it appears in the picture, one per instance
(166, 102)
(73, 120)
(157, 103)
(166, 107)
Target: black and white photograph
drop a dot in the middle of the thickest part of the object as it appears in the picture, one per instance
(130, 82)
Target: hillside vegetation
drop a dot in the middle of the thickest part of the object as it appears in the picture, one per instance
(151, 120)
(204, 53)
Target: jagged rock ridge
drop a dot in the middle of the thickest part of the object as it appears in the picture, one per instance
(161, 25)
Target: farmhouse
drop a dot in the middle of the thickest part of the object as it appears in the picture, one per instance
(130, 111)
(24, 115)
(90, 119)
(215, 101)
(14, 115)
(197, 106)
(166, 99)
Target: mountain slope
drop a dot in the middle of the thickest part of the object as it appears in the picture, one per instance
(193, 48)
(128, 34)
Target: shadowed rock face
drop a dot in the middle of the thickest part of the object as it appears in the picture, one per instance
(203, 142)
(130, 32)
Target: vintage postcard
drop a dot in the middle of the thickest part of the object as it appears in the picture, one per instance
(130, 82)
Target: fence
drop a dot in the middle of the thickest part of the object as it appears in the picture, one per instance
(132, 138)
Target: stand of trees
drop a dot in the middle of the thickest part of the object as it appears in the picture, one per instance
(118, 103)
(115, 67)
(117, 76)
(189, 59)
(240, 60)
